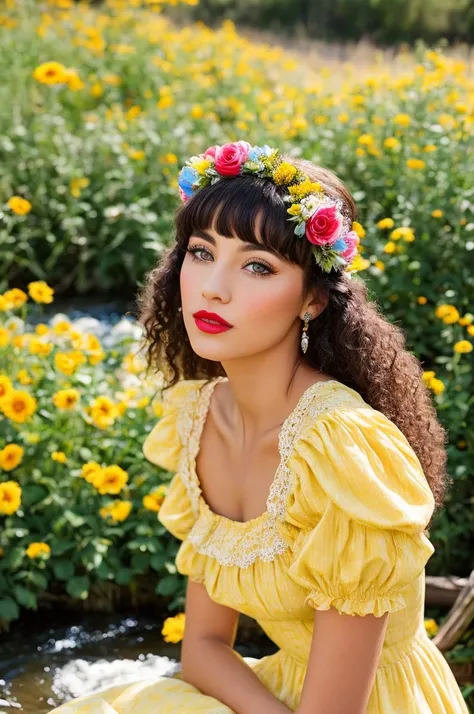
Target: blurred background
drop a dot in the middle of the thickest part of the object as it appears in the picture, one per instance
(100, 105)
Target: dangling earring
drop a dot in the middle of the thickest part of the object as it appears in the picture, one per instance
(304, 337)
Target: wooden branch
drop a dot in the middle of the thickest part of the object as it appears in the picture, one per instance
(459, 619)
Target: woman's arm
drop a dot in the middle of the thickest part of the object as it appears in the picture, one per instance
(210, 663)
(345, 651)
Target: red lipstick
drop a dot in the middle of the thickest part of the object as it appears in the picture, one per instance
(210, 322)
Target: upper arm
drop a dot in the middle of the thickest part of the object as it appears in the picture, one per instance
(345, 651)
(206, 619)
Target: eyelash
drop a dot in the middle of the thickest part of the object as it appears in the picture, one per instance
(197, 248)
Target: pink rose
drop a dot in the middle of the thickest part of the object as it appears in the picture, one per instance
(351, 239)
(211, 151)
(324, 226)
(230, 157)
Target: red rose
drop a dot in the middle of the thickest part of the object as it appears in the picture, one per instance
(324, 226)
(230, 157)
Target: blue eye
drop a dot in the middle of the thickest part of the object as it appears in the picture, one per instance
(263, 268)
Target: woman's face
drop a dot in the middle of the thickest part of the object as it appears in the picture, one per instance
(257, 293)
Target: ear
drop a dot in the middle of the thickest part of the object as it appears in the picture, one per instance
(316, 301)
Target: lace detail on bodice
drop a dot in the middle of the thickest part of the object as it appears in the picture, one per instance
(234, 542)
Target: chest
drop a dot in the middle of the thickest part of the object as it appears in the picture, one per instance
(235, 477)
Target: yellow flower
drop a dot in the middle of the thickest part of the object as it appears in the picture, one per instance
(448, 313)
(5, 304)
(357, 227)
(76, 185)
(37, 347)
(197, 112)
(415, 163)
(73, 81)
(37, 550)
(391, 143)
(366, 139)
(90, 471)
(65, 363)
(10, 497)
(421, 300)
(10, 456)
(463, 347)
(431, 627)
(402, 119)
(23, 377)
(295, 209)
(32, 438)
(201, 165)
(390, 247)
(40, 291)
(117, 510)
(154, 500)
(50, 73)
(110, 479)
(284, 173)
(41, 329)
(59, 456)
(437, 213)
(405, 232)
(301, 189)
(4, 337)
(103, 411)
(6, 387)
(19, 205)
(136, 154)
(437, 386)
(16, 297)
(66, 398)
(173, 628)
(18, 406)
(386, 223)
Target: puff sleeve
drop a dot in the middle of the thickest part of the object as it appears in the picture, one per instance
(362, 502)
(163, 447)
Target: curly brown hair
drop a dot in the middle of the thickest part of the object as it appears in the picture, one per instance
(351, 339)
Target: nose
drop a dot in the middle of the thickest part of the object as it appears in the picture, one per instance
(217, 286)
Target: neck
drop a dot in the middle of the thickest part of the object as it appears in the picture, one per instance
(265, 388)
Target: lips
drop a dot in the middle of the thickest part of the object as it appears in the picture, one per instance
(211, 322)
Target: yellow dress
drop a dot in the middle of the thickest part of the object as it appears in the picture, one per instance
(344, 528)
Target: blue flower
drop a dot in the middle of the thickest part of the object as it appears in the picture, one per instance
(257, 151)
(187, 177)
(340, 245)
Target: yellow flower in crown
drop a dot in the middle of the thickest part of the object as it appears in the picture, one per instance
(285, 173)
(201, 165)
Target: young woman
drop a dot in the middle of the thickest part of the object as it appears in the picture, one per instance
(308, 457)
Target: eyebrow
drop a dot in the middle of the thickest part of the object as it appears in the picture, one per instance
(244, 248)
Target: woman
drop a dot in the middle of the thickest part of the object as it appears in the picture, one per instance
(308, 457)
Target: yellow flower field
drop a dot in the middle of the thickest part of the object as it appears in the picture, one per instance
(100, 108)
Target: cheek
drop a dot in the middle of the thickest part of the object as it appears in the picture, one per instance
(188, 282)
(278, 302)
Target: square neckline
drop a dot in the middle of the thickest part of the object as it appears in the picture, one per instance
(203, 406)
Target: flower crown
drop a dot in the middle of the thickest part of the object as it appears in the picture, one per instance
(317, 216)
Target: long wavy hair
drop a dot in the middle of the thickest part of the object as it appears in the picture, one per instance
(351, 339)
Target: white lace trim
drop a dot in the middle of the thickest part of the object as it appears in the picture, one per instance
(234, 542)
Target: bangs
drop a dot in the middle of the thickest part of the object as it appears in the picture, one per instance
(245, 207)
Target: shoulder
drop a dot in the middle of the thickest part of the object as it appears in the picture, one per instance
(353, 456)
(164, 443)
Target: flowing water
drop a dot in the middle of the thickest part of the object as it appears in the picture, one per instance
(48, 658)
